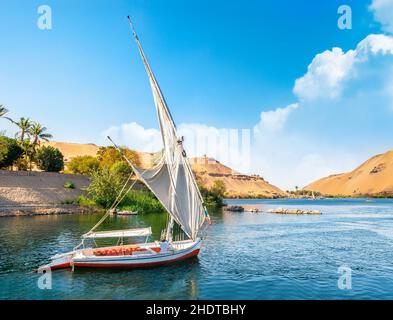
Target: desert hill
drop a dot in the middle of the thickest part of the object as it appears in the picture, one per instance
(374, 177)
(206, 169)
(71, 150)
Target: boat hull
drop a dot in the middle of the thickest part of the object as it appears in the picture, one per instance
(136, 263)
(182, 250)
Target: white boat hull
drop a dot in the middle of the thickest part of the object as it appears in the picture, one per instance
(79, 259)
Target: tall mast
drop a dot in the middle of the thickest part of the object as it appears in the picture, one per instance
(150, 72)
(172, 181)
(154, 83)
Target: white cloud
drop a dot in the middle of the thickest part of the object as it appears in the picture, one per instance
(274, 120)
(374, 44)
(231, 146)
(330, 70)
(383, 13)
(325, 75)
(134, 136)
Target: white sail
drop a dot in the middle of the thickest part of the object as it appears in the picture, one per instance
(172, 180)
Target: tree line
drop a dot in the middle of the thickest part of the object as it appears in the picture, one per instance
(25, 150)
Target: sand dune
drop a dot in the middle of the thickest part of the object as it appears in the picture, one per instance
(71, 150)
(373, 177)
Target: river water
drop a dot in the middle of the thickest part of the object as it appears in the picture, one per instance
(245, 255)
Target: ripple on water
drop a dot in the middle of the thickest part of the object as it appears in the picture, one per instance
(245, 256)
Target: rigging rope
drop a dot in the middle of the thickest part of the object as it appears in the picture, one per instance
(114, 204)
(120, 196)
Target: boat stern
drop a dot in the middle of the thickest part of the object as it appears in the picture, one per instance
(58, 262)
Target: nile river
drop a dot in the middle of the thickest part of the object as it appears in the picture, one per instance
(245, 255)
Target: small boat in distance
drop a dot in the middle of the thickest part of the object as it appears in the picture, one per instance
(173, 183)
(123, 213)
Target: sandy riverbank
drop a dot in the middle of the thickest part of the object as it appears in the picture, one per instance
(29, 193)
(12, 211)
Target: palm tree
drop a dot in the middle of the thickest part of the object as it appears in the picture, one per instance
(3, 112)
(37, 133)
(24, 125)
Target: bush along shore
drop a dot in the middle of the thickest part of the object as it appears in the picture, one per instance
(106, 185)
(107, 173)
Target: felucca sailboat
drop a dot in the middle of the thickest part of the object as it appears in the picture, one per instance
(173, 183)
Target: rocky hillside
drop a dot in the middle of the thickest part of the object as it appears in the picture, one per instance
(238, 185)
(374, 177)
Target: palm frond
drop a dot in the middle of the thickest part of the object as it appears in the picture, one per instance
(3, 110)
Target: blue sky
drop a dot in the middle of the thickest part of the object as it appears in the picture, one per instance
(221, 64)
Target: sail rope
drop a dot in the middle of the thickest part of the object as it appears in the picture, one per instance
(114, 204)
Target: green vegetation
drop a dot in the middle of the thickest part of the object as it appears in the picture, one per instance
(306, 193)
(85, 165)
(214, 197)
(121, 169)
(28, 138)
(381, 195)
(69, 185)
(37, 133)
(85, 202)
(104, 188)
(142, 201)
(218, 188)
(3, 112)
(108, 156)
(10, 151)
(80, 201)
(108, 172)
(49, 159)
